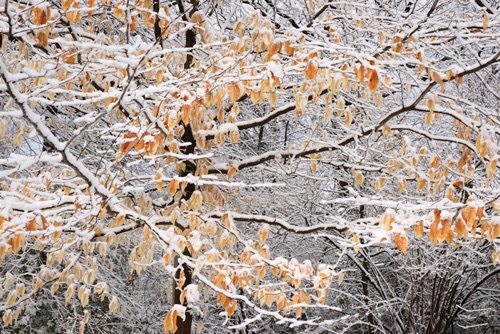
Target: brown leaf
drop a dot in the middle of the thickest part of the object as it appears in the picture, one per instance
(461, 229)
(91, 4)
(117, 11)
(15, 242)
(348, 118)
(360, 74)
(491, 169)
(373, 80)
(356, 240)
(234, 91)
(436, 76)
(433, 232)
(168, 323)
(40, 16)
(31, 225)
(419, 229)
(401, 242)
(386, 222)
(469, 215)
(42, 38)
(134, 23)
(173, 186)
(66, 4)
(311, 70)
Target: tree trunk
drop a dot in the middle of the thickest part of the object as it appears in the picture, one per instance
(365, 280)
(184, 327)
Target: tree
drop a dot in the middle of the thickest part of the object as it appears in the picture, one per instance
(247, 154)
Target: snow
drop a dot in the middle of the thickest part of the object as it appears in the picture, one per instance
(223, 128)
(275, 69)
(192, 294)
(180, 310)
(195, 240)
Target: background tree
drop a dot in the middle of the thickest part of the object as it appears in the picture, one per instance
(218, 164)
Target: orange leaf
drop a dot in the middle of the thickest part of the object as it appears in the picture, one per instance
(372, 80)
(386, 222)
(348, 118)
(66, 4)
(311, 70)
(125, 147)
(42, 38)
(186, 114)
(449, 237)
(168, 323)
(401, 242)
(491, 169)
(159, 185)
(234, 91)
(2, 221)
(91, 4)
(480, 212)
(173, 186)
(119, 13)
(461, 229)
(15, 242)
(444, 233)
(356, 240)
(31, 225)
(360, 74)
(437, 77)
(473, 229)
(419, 229)
(134, 23)
(40, 16)
(433, 231)
(485, 20)
(469, 215)
(70, 57)
(231, 172)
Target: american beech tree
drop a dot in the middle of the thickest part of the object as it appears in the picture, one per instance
(326, 165)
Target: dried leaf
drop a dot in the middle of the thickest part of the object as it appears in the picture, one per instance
(469, 215)
(401, 242)
(491, 169)
(461, 229)
(433, 232)
(42, 38)
(485, 20)
(360, 74)
(173, 185)
(117, 10)
(356, 240)
(40, 15)
(234, 90)
(373, 80)
(312, 70)
(419, 229)
(348, 118)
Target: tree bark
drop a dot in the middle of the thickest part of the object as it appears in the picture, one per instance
(184, 327)
(365, 281)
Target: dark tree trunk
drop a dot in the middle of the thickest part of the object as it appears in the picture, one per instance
(184, 327)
